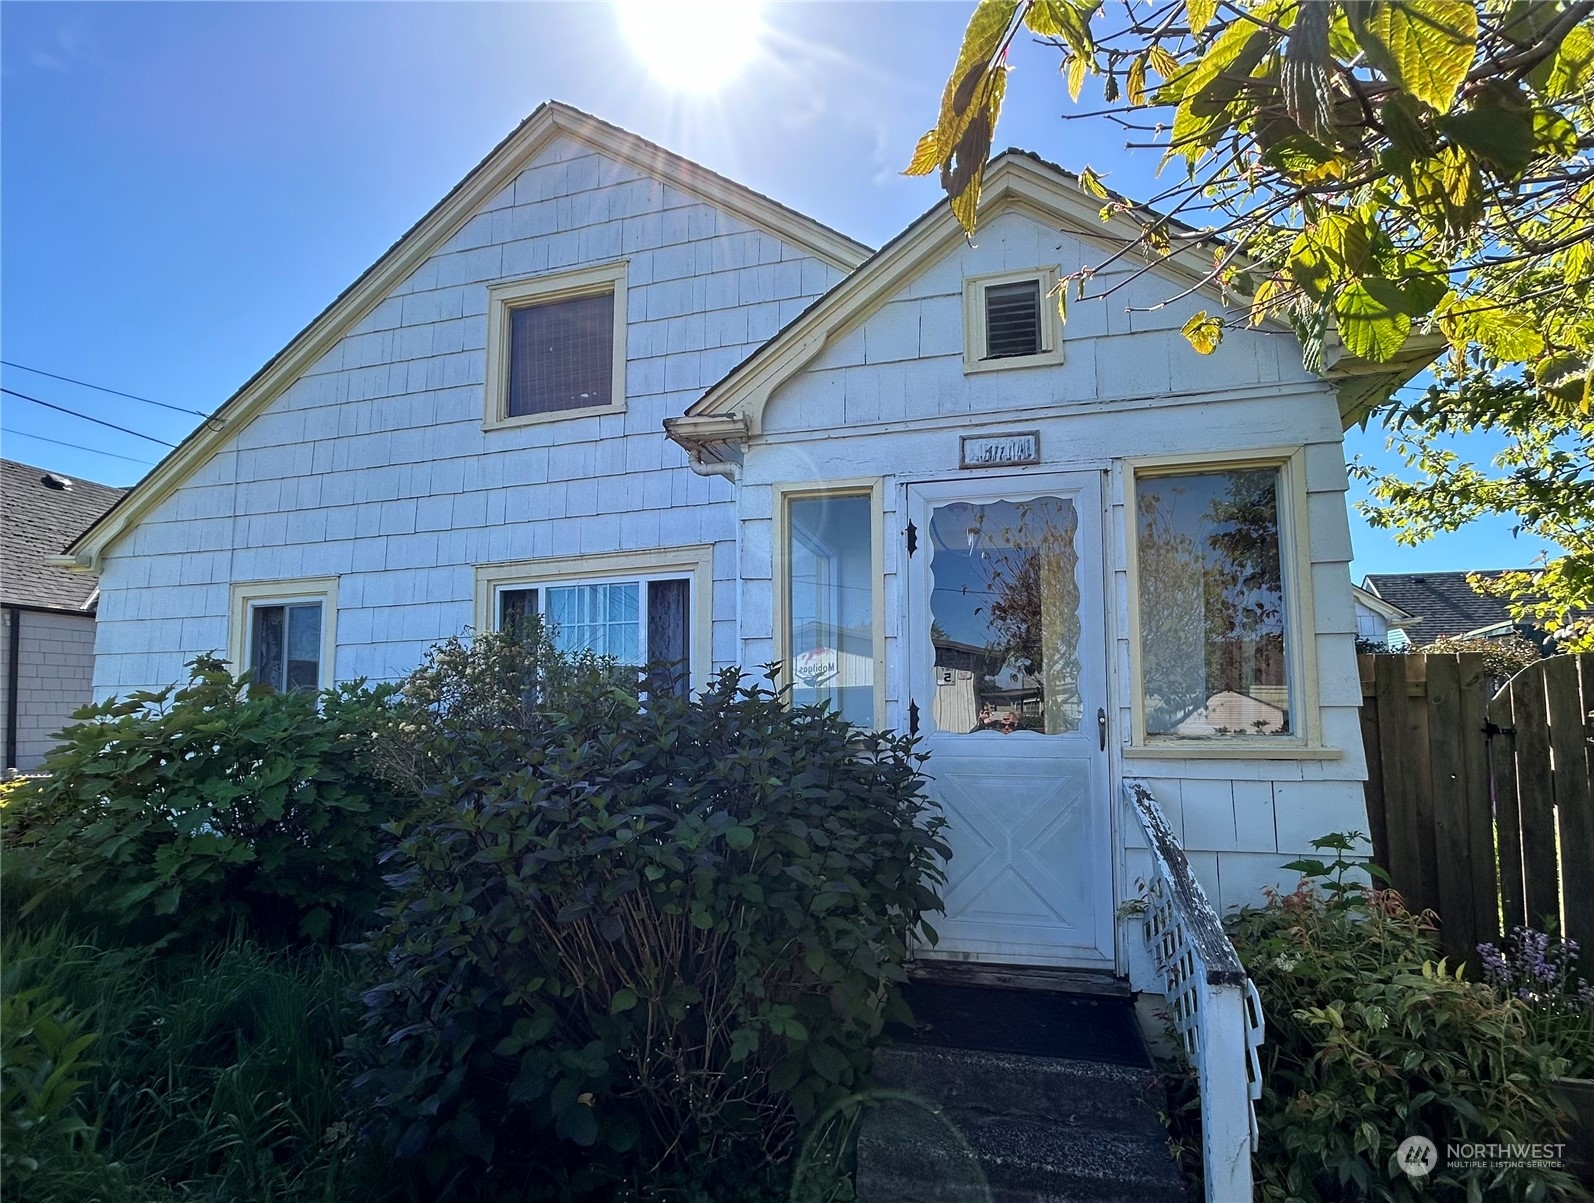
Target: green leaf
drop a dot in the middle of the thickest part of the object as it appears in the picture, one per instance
(1135, 81)
(578, 1124)
(1067, 22)
(623, 1001)
(1199, 13)
(1405, 127)
(1204, 332)
(1567, 378)
(1091, 183)
(1324, 254)
(1500, 134)
(1370, 320)
(1425, 46)
(738, 837)
(1553, 134)
(1570, 69)
(926, 156)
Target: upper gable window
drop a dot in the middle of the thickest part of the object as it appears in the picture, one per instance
(556, 346)
(1009, 321)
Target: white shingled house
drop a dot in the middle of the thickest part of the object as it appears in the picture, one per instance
(682, 421)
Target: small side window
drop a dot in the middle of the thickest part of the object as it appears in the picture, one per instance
(285, 646)
(1011, 321)
(283, 632)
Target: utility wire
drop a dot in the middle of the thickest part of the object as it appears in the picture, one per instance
(23, 434)
(100, 388)
(86, 417)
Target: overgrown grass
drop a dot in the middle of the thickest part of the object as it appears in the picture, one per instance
(215, 1077)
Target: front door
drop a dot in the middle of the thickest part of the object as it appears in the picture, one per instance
(1008, 664)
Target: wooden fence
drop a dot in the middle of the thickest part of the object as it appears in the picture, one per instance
(1480, 802)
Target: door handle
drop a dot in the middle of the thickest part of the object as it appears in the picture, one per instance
(1101, 725)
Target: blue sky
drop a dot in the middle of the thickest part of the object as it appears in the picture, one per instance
(184, 186)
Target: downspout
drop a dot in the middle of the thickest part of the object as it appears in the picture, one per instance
(13, 674)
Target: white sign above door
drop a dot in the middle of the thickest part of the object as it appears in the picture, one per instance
(1010, 450)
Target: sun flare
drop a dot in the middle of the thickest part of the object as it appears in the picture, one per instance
(691, 45)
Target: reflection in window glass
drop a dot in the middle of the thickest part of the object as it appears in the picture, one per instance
(1004, 606)
(830, 604)
(285, 646)
(1212, 606)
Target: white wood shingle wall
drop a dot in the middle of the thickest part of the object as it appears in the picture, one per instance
(889, 398)
(374, 466)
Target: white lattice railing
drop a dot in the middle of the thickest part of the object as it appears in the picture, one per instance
(1215, 1007)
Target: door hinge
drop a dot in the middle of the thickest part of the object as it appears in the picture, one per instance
(913, 538)
(913, 718)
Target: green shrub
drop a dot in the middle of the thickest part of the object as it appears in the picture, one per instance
(214, 1076)
(192, 810)
(44, 1044)
(1371, 1039)
(663, 933)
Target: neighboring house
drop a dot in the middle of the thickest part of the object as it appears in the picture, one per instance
(602, 383)
(1380, 622)
(1448, 607)
(46, 613)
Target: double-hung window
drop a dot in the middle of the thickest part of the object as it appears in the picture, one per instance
(556, 346)
(282, 632)
(638, 608)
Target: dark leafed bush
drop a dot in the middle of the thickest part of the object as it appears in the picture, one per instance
(638, 937)
(1371, 1039)
(192, 810)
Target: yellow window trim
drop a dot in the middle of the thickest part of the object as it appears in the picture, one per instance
(246, 595)
(1301, 621)
(503, 299)
(974, 330)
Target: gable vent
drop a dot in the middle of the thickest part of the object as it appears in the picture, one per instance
(1013, 320)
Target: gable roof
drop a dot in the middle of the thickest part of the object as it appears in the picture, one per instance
(552, 119)
(1444, 601)
(1391, 613)
(40, 512)
(1015, 177)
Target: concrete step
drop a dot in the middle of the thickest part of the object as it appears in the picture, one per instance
(979, 1127)
(907, 1155)
(1079, 1093)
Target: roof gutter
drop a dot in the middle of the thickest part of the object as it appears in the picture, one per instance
(714, 443)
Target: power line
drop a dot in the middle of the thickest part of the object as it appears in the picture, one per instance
(86, 417)
(23, 434)
(102, 389)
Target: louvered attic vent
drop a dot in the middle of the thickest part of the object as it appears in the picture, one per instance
(1013, 320)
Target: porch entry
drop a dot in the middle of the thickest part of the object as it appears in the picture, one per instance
(1008, 670)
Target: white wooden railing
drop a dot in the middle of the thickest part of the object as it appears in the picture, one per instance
(1215, 1007)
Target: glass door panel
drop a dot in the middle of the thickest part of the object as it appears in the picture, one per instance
(1004, 609)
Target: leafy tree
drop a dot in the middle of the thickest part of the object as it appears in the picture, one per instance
(1544, 475)
(1371, 168)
